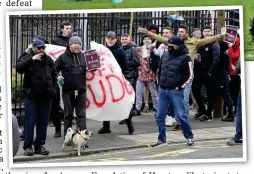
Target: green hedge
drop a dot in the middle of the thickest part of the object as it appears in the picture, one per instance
(16, 87)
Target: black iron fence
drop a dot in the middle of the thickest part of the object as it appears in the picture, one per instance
(93, 27)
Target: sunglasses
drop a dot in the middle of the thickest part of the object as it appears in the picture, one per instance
(39, 48)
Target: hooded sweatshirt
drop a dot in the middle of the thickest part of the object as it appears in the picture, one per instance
(234, 54)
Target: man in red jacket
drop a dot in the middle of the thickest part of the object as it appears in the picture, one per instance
(234, 84)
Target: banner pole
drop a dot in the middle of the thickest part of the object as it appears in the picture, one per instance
(131, 25)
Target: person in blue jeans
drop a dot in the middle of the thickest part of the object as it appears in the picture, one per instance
(237, 139)
(174, 73)
(40, 85)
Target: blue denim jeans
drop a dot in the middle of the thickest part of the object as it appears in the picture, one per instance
(170, 110)
(140, 91)
(239, 134)
(176, 97)
(187, 90)
(37, 113)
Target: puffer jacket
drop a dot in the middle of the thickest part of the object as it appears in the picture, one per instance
(40, 79)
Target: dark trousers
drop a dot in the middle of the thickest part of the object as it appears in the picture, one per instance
(133, 82)
(55, 114)
(214, 89)
(234, 88)
(37, 113)
(198, 82)
(78, 103)
(239, 133)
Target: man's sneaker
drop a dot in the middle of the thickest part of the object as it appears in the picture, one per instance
(29, 151)
(146, 109)
(199, 114)
(177, 128)
(190, 141)
(170, 121)
(228, 119)
(159, 143)
(41, 150)
(232, 142)
(57, 134)
(104, 130)
(205, 118)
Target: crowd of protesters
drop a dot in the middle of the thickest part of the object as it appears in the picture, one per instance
(175, 70)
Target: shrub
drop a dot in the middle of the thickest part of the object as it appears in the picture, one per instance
(16, 87)
(252, 28)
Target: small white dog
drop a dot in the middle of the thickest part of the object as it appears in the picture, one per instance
(77, 138)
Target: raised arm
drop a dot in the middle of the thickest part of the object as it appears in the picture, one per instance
(152, 35)
(212, 39)
(209, 40)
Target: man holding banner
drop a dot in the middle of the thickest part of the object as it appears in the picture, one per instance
(73, 68)
(120, 56)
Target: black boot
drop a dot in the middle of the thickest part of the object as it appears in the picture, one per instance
(130, 126)
(105, 129)
(122, 122)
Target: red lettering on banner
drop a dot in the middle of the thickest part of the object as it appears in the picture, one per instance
(108, 77)
(87, 103)
(102, 103)
(90, 75)
(101, 70)
(55, 53)
(111, 68)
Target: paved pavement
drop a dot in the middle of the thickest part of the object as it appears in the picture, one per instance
(212, 149)
(146, 132)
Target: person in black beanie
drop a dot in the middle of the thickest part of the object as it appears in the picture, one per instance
(120, 56)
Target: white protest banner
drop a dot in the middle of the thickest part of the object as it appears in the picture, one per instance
(109, 95)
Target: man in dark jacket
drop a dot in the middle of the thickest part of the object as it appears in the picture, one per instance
(134, 63)
(28, 50)
(120, 56)
(206, 62)
(65, 34)
(62, 40)
(174, 74)
(40, 82)
(216, 63)
(73, 69)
